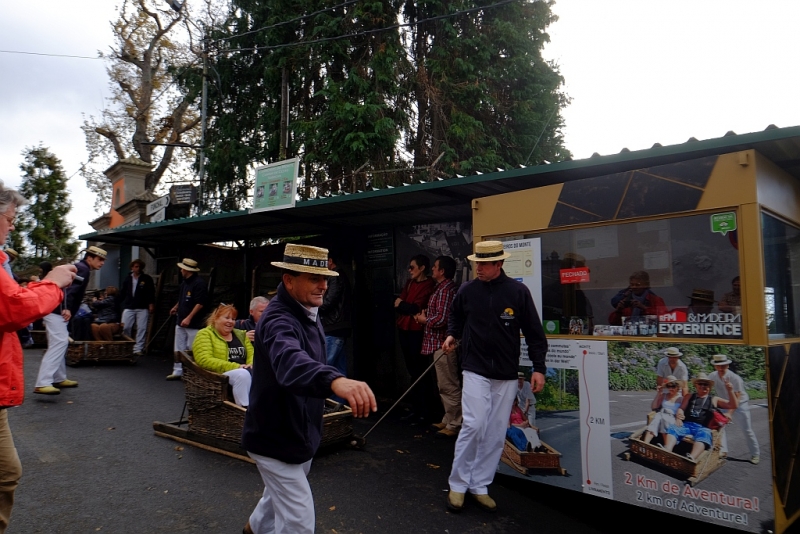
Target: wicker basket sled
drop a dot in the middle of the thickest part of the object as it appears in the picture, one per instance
(527, 463)
(675, 461)
(101, 351)
(215, 423)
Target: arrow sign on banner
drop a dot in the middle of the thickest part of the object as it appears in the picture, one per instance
(158, 204)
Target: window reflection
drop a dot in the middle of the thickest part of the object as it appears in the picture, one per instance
(782, 266)
(670, 278)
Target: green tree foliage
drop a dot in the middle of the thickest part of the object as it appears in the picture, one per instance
(43, 222)
(382, 100)
(485, 96)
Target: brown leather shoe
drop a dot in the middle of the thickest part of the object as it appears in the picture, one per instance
(447, 433)
(438, 426)
(485, 502)
(455, 501)
(247, 529)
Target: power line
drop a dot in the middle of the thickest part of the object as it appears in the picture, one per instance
(368, 32)
(283, 23)
(47, 55)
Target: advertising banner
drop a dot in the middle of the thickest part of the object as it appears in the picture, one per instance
(276, 185)
(609, 412)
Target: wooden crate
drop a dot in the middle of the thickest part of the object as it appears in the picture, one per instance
(212, 414)
(101, 351)
(526, 461)
(693, 471)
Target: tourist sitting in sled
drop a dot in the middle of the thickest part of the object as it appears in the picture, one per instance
(221, 348)
(696, 416)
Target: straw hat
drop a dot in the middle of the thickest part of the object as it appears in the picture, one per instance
(188, 264)
(703, 379)
(720, 359)
(671, 380)
(489, 251)
(305, 259)
(97, 251)
(12, 254)
(706, 295)
(673, 352)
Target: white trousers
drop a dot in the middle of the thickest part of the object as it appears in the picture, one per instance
(240, 380)
(184, 339)
(287, 506)
(486, 405)
(53, 368)
(139, 319)
(741, 418)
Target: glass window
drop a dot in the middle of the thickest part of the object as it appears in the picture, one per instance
(782, 268)
(676, 277)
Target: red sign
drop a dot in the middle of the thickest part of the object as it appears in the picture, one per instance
(575, 275)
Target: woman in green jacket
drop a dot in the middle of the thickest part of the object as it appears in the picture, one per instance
(222, 349)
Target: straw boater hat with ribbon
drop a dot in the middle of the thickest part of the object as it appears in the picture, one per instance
(305, 259)
(188, 264)
(702, 378)
(673, 352)
(489, 251)
(97, 251)
(706, 295)
(720, 359)
(12, 254)
(671, 379)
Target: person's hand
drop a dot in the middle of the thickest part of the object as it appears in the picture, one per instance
(67, 315)
(537, 382)
(186, 322)
(245, 366)
(151, 308)
(397, 302)
(62, 275)
(449, 345)
(357, 394)
(421, 318)
(251, 335)
(173, 310)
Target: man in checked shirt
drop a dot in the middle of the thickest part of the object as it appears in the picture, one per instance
(435, 321)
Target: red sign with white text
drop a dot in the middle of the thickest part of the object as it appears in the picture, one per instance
(575, 275)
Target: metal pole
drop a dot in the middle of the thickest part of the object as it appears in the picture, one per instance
(203, 105)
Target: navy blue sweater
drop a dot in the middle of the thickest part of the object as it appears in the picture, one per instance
(488, 317)
(290, 383)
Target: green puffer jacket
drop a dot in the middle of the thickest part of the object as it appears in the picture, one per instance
(211, 351)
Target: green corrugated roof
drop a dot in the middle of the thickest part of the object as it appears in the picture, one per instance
(440, 200)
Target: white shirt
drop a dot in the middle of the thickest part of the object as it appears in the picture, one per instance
(735, 380)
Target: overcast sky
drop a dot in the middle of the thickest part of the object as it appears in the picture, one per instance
(638, 72)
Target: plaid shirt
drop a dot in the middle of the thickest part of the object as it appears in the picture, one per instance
(438, 313)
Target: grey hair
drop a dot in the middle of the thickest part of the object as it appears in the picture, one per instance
(258, 300)
(9, 197)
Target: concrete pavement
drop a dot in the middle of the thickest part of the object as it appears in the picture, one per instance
(92, 464)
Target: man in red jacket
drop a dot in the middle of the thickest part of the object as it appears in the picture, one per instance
(19, 306)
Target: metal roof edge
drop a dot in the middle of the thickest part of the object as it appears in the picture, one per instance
(692, 147)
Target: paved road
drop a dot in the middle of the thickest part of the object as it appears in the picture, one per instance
(92, 464)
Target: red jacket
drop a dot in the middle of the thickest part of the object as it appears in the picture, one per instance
(19, 307)
(415, 298)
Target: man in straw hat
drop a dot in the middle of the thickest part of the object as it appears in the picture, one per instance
(741, 415)
(191, 300)
(19, 306)
(694, 415)
(52, 376)
(671, 365)
(283, 424)
(488, 315)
